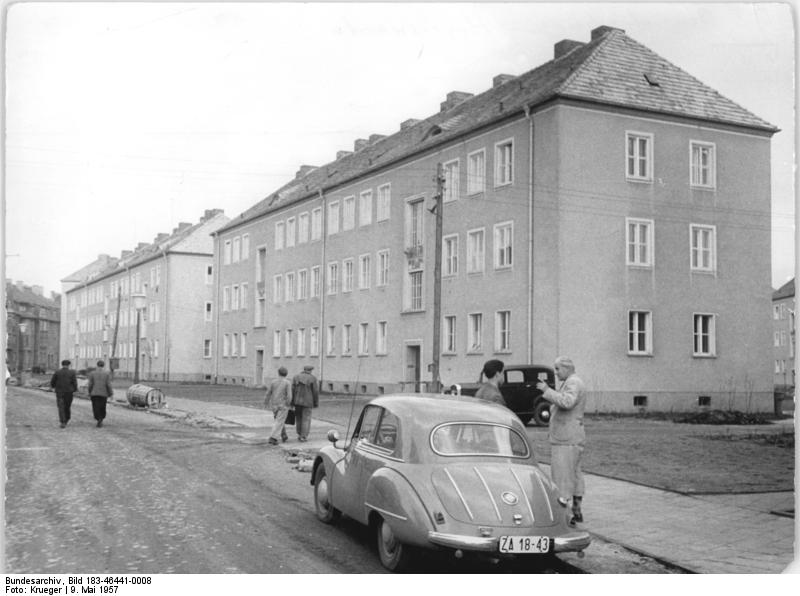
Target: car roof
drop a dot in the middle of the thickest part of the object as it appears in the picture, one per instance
(430, 409)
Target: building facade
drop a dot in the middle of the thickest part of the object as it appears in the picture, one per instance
(783, 336)
(32, 328)
(166, 285)
(605, 205)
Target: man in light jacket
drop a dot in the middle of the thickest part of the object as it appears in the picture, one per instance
(567, 435)
(100, 390)
(306, 397)
(279, 400)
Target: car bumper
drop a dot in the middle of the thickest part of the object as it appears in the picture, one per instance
(574, 541)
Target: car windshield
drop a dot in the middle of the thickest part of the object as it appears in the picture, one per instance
(473, 438)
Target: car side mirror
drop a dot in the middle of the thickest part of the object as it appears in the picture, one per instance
(333, 436)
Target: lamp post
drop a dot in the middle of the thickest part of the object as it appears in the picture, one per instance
(139, 302)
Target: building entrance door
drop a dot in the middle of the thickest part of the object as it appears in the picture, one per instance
(259, 380)
(413, 373)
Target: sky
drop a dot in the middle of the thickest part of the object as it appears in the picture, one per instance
(124, 119)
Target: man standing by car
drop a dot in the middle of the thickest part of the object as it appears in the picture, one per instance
(567, 435)
(99, 390)
(490, 389)
(64, 383)
(306, 397)
(279, 400)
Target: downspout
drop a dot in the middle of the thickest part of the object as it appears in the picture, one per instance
(167, 346)
(215, 307)
(321, 336)
(529, 116)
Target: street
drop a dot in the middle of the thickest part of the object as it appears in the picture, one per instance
(145, 494)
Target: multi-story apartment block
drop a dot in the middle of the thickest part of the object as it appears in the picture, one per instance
(32, 328)
(606, 206)
(783, 329)
(167, 285)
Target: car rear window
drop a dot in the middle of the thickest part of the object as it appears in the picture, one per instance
(471, 438)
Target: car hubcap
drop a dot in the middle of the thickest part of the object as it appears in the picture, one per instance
(322, 493)
(387, 537)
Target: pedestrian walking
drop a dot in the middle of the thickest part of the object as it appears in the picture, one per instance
(64, 383)
(279, 400)
(99, 391)
(490, 389)
(567, 435)
(305, 392)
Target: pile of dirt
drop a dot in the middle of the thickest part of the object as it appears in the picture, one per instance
(721, 417)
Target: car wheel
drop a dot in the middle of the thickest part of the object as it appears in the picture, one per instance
(325, 511)
(541, 412)
(395, 555)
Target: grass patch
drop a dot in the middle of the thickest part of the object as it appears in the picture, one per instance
(785, 440)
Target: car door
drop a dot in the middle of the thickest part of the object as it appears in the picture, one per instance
(346, 490)
(517, 390)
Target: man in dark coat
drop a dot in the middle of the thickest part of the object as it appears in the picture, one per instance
(99, 390)
(306, 396)
(65, 383)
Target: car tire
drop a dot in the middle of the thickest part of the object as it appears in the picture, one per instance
(394, 555)
(326, 512)
(541, 412)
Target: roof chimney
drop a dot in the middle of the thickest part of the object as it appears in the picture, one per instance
(565, 46)
(341, 154)
(453, 99)
(125, 254)
(210, 213)
(408, 123)
(20, 284)
(38, 290)
(375, 138)
(502, 78)
(160, 238)
(303, 171)
(141, 245)
(359, 144)
(183, 225)
(602, 30)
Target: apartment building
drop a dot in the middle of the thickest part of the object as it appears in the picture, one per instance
(783, 334)
(606, 205)
(165, 284)
(32, 328)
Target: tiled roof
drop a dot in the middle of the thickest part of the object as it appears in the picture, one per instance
(26, 295)
(610, 69)
(785, 291)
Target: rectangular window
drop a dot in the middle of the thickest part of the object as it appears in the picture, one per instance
(776, 339)
(347, 275)
(450, 246)
(226, 345)
(333, 218)
(291, 232)
(383, 268)
(502, 331)
(504, 163)
(703, 248)
(313, 341)
(276, 343)
(384, 202)
(382, 337)
(261, 264)
(451, 190)
(280, 233)
(503, 242)
(415, 286)
(245, 246)
(277, 289)
(301, 342)
(237, 249)
(475, 333)
(227, 253)
(315, 282)
(705, 335)
(302, 228)
(364, 272)
(235, 345)
(261, 310)
(289, 343)
(209, 275)
(330, 341)
(639, 239)
(235, 297)
(638, 156)
(243, 351)
(365, 208)
(363, 339)
(476, 172)
(333, 278)
(206, 348)
(291, 288)
(348, 213)
(346, 343)
(640, 332)
(302, 284)
(243, 296)
(414, 228)
(450, 334)
(476, 251)
(208, 315)
(316, 223)
(703, 165)
(226, 299)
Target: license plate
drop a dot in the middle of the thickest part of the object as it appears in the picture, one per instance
(525, 544)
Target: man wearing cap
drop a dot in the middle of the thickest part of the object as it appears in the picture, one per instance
(99, 391)
(65, 383)
(279, 400)
(306, 397)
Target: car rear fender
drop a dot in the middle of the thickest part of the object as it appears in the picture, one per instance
(391, 496)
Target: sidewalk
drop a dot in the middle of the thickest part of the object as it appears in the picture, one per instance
(700, 533)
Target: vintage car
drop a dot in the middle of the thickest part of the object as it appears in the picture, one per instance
(443, 472)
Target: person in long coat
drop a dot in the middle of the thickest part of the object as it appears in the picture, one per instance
(306, 396)
(567, 435)
(279, 400)
(99, 391)
(64, 383)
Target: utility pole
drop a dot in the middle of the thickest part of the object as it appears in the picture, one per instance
(113, 363)
(437, 279)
